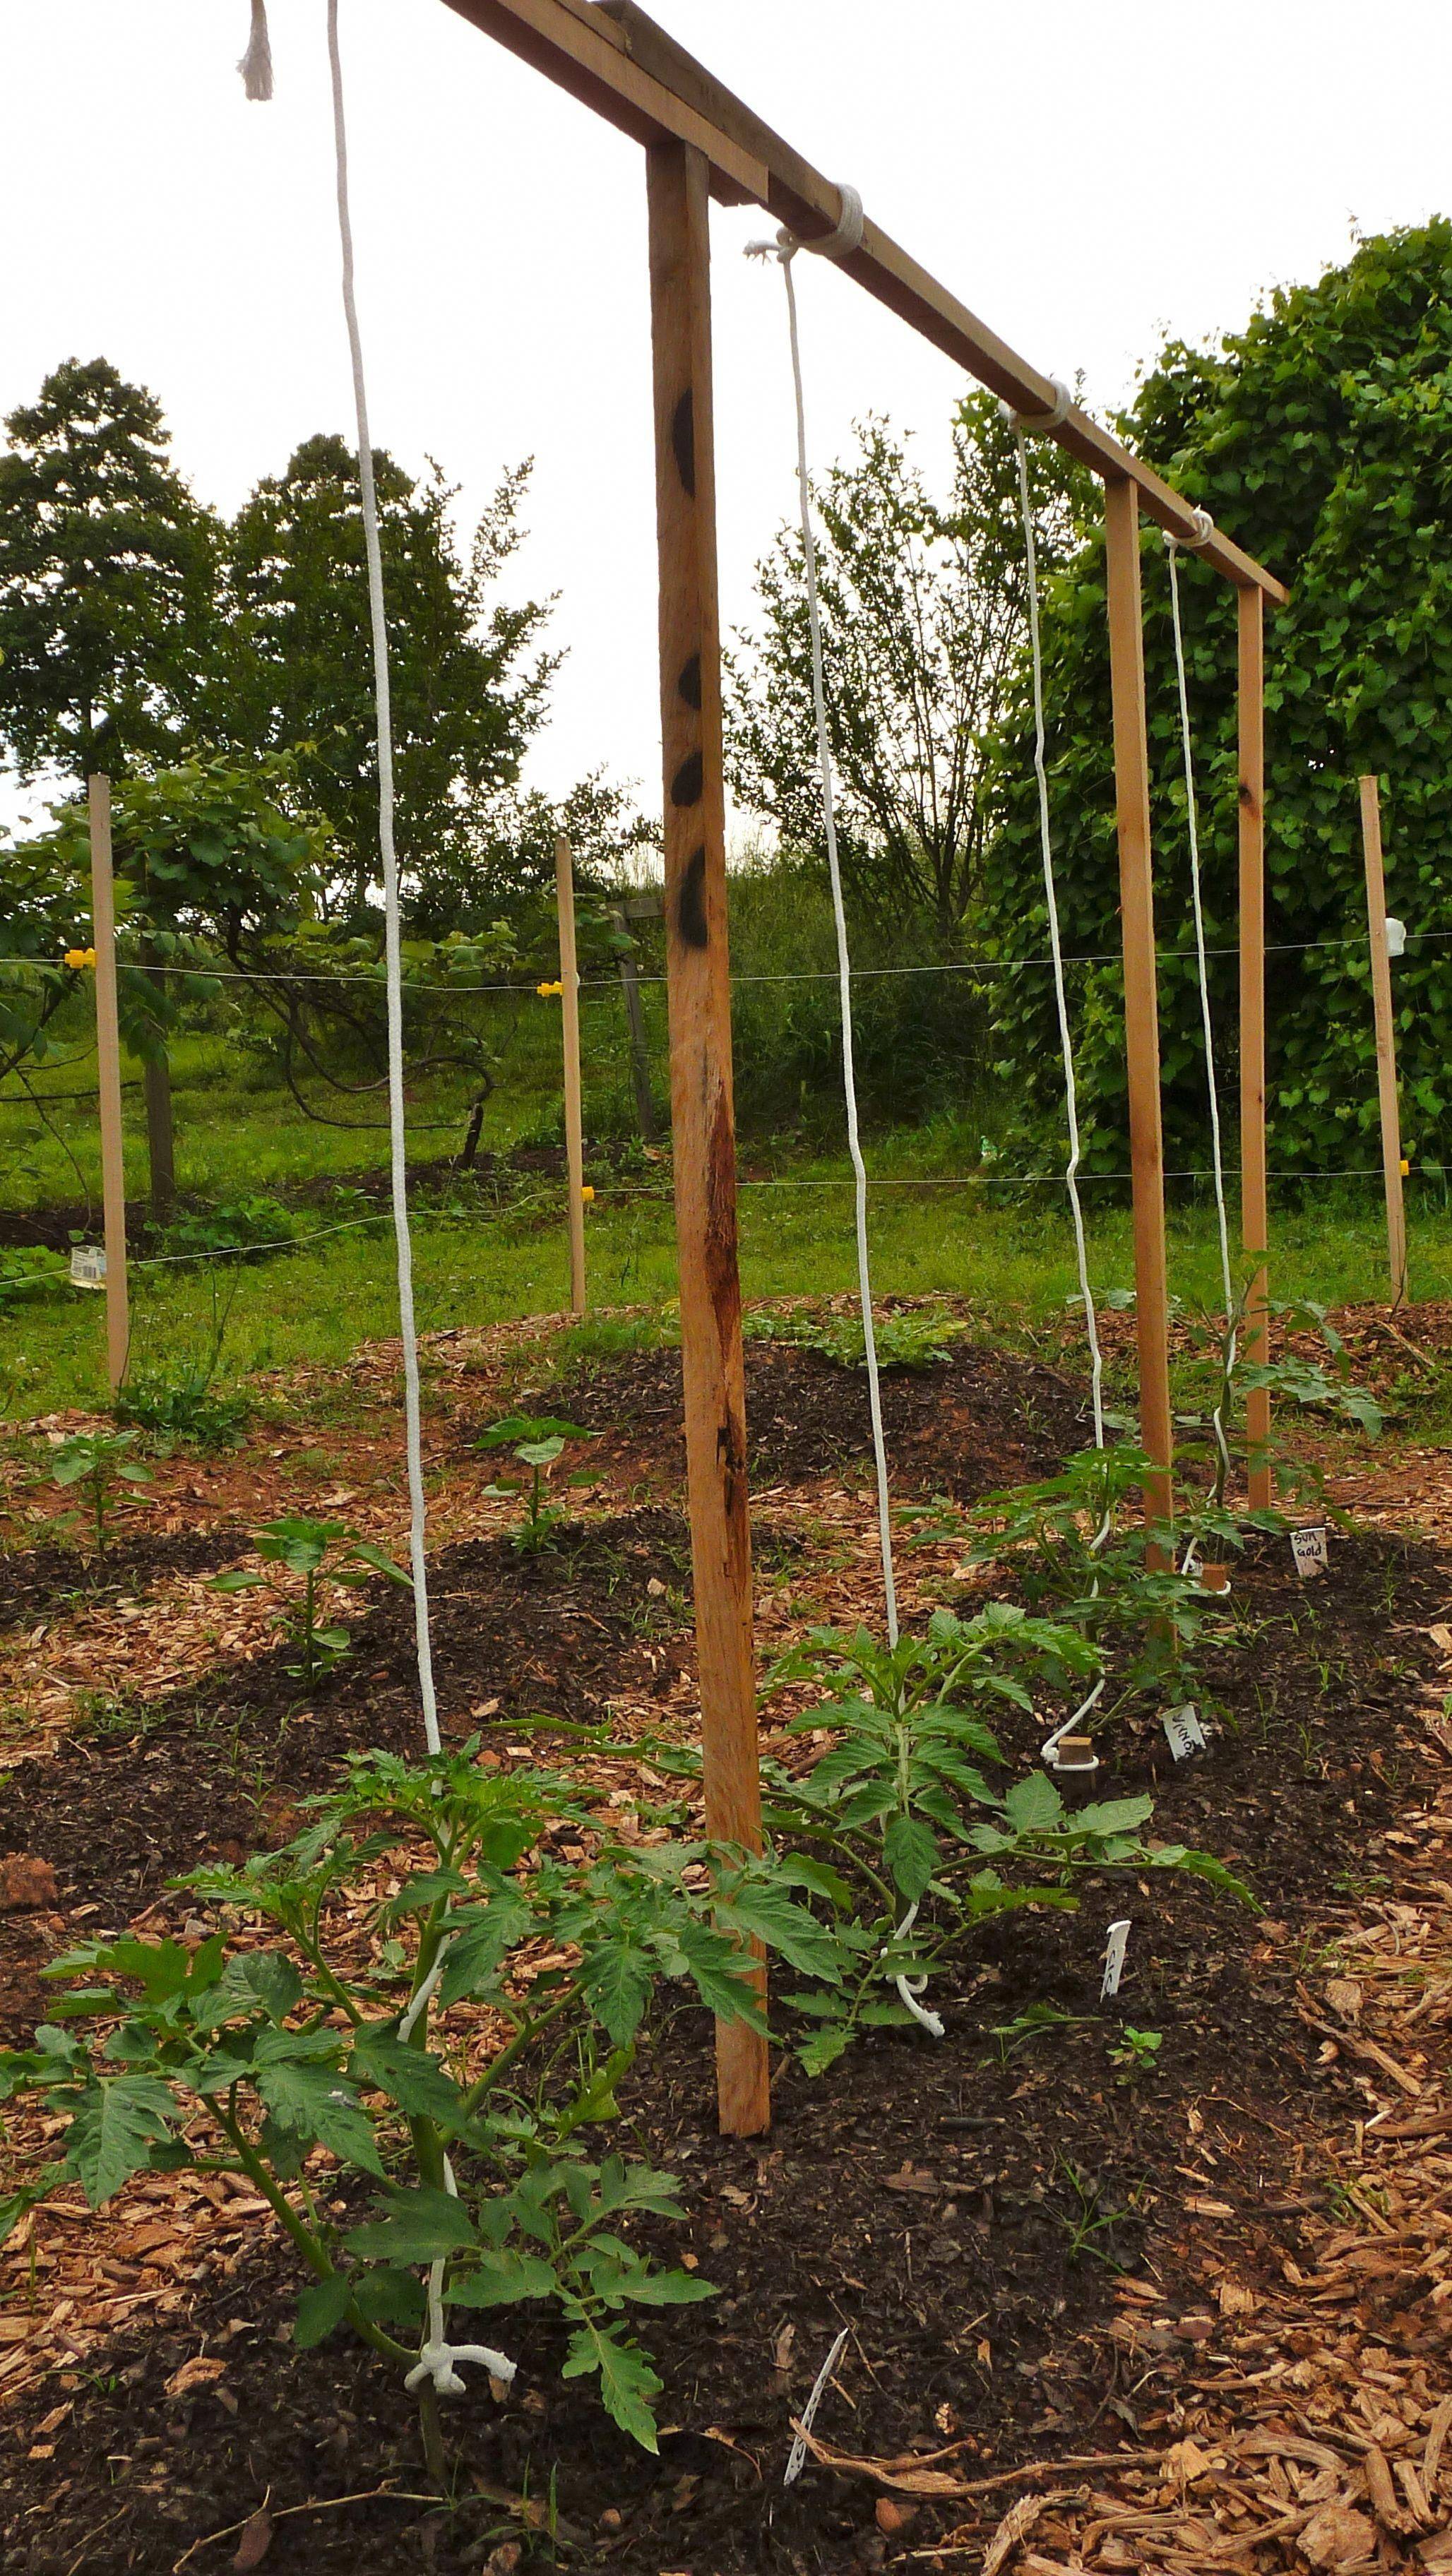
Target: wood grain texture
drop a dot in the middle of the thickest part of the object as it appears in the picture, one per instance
(699, 994)
(1386, 1039)
(108, 1076)
(629, 70)
(1141, 990)
(1254, 1200)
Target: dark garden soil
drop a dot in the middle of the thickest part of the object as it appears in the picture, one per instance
(962, 2206)
(975, 1422)
(38, 1580)
(212, 1772)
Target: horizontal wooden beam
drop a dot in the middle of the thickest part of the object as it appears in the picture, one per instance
(618, 61)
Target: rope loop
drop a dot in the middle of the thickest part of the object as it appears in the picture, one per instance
(1204, 531)
(838, 244)
(256, 64)
(1022, 421)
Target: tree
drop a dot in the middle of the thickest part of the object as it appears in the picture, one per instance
(1318, 438)
(923, 606)
(106, 578)
(466, 696)
(208, 857)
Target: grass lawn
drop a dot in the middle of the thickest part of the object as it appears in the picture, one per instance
(239, 1134)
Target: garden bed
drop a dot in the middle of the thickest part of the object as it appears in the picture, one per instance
(1028, 2242)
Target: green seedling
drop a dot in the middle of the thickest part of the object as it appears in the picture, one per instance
(1135, 2053)
(309, 1554)
(537, 1440)
(99, 1461)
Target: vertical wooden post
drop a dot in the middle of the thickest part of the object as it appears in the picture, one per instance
(1141, 995)
(570, 1020)
(1386, 1039)
(108, 1078)
(702, 1114)
(1254, 1202)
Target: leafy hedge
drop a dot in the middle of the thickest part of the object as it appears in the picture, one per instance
(1320, 438)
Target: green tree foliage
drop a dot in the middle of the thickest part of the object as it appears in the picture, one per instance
(468, 688)
(923, 605)
(1318, 439)
(106, 578)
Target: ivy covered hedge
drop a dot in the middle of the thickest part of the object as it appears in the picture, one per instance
(1320, 438)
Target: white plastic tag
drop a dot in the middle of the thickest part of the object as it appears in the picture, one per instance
(1308, 1548)
(88, 1266)
(1396, 937)
(1114, 1950)
(797, 2456)
(1184, 1733)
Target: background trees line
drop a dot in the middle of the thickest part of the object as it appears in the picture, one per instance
(232, 661)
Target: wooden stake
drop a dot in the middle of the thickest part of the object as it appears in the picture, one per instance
(570, 1018)
(644, 908)
(108, 1076)
(1386, 1039)
(1141, 996)
(702, 1116)
(1254, 1205)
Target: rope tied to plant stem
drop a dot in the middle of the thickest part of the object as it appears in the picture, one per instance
(437, 2357)
(784, 249)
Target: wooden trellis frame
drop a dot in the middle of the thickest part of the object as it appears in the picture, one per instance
(701, 142)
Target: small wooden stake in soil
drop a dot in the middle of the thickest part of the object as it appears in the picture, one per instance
(1386, 1041)
(1141, 998)
(1254, 1206)
(108, 1077)
(702, 1115)
(570, 1019)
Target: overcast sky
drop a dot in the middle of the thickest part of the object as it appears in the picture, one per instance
(1086, 180)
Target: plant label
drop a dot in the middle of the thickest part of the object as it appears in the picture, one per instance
(1184, 1733)
(1396, 936)
(1114, 1950)
(88, 1266)
(797, 2457)
(1308, 1549)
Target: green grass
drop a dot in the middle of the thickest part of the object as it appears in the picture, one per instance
(239, 1134)
(1015, 1265)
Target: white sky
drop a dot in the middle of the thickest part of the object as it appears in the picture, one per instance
(1086, 180)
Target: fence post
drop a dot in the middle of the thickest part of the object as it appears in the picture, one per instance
(639, 908)
(570, 1021)
(1141, 992)
(108, 1079)
(1254, 1201)
(1386, 1039)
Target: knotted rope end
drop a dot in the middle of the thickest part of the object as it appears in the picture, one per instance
(256, 64)
(1022, 421)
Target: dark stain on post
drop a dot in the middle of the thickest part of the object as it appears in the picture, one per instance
(683, 441)
(687, 782)
(723, 1286)
(689, 683)
(691, 901)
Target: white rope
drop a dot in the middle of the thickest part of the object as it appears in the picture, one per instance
(839, 244)
(413, 1436)
(1193, 826)
(909, 1988)
(1054, 418)
(786, 251)
(1071, 1089)
(437, 2357)
(256, 64)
